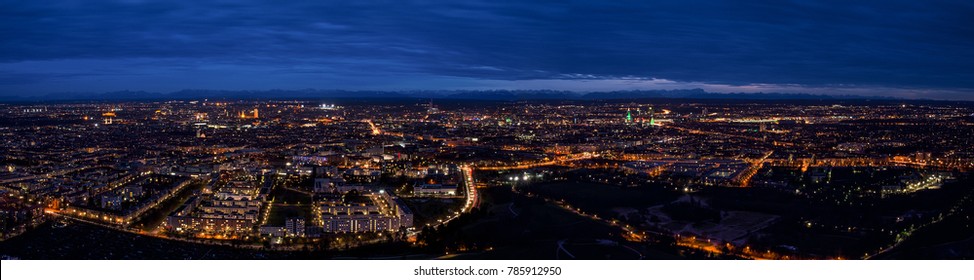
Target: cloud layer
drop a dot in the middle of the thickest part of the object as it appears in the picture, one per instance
(902, 48)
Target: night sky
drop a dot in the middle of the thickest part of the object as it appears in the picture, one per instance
(911, 49)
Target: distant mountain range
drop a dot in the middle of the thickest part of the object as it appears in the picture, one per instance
(497, 95)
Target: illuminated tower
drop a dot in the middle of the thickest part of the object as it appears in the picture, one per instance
(256, 114)
(628, 116)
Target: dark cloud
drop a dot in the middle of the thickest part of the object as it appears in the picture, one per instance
(911, 45)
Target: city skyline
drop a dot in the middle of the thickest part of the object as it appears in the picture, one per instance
(418, 139)
(901, 49)
(486, 179)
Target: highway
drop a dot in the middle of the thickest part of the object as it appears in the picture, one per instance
(471, 198)
(565, 159)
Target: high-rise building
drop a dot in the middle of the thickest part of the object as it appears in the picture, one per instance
(652, 116)
(294, 226)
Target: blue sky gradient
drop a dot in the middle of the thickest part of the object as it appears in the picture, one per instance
(911, 49)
